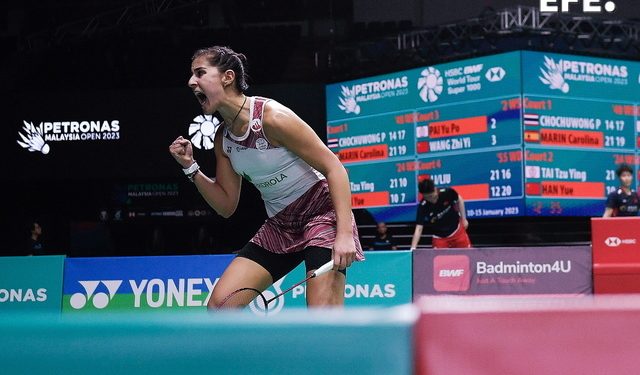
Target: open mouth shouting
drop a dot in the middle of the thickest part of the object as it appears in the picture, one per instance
(202, 98)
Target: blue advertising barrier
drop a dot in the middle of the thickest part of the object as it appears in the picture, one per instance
(141, 283)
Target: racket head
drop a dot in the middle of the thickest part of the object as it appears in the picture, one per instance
(243, 297)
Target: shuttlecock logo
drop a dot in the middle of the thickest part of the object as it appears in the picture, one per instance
(430, 84)
(552, 75)
(348, 101)
(99, 300)
(33, 138)
(203, 130)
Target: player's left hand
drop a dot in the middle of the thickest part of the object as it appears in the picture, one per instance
(344, 252)
(465, 223)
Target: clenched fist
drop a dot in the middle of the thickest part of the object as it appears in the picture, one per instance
(182, 151)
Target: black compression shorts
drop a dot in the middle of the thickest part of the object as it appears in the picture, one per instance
(279, 265)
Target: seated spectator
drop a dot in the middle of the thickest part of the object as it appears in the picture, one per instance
(383, 240)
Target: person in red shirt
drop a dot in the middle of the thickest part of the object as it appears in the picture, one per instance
(442, 211)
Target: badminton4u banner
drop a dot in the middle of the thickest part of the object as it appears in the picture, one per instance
(141, 283)
(490, 271)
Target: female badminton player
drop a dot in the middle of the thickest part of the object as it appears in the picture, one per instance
(304, 186)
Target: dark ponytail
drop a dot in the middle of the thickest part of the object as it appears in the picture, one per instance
(224, 58)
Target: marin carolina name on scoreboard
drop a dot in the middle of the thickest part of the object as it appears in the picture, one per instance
(380, 132)
(523, 108)
(580, 123)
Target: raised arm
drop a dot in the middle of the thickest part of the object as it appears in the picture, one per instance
(221, 193)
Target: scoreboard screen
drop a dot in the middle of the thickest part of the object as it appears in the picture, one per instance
(519, 133)
(580, 123)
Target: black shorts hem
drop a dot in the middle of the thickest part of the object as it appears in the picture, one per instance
(279, 265)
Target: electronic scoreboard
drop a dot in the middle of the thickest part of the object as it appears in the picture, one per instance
(520, 133)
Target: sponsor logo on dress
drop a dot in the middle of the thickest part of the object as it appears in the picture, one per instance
(262, 144)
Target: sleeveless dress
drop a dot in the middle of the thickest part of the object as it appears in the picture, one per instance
(295, 195)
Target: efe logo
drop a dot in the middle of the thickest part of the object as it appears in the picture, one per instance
(588, 6)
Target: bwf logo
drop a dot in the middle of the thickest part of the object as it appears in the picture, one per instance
(588, 6)
(451, 273)
(99, 300)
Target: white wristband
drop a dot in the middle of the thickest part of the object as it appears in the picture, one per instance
(193, 168)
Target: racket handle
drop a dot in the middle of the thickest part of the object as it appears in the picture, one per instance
(324, 268)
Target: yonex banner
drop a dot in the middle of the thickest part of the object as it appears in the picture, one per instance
(490, 271)
(179, 282)
(31, 283)
(383, 279)
(141, 283)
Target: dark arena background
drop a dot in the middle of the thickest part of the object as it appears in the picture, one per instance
(526, 108)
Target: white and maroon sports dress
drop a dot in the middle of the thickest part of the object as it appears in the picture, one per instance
(295, 195)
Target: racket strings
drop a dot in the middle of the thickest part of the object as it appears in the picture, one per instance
(245, 296)
(242, 298)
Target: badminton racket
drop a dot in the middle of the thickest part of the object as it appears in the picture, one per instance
(244, 296)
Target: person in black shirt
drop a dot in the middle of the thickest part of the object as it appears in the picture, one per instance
(442, 210)
(624, 201)
(383, 240)
(34, 243)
